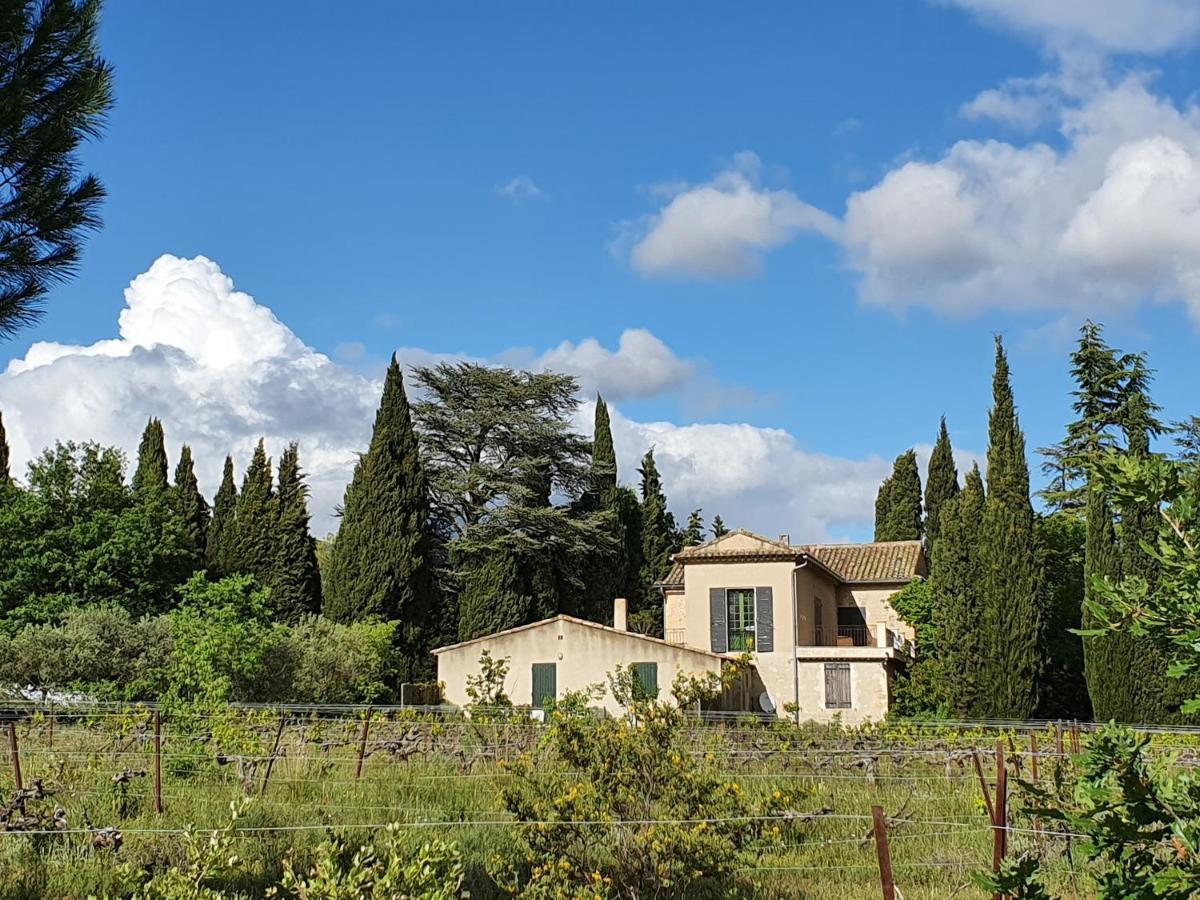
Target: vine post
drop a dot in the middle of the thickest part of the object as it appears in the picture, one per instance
(14, 754)
(158, 801)
(362, 743)
(886, 881)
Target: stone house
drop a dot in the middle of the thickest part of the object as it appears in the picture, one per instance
(815, 620)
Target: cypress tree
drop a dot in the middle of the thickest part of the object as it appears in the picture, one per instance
(883, 509)
(5, 466)
(603, 473)
(252, 537)
(658, 536)
(381, 565)
(901, 502)
(150, 476)
(296, 581)
(693, 532)
(1106, 657)
(718, 527)
(189, 503)
(490, 597)
(940, 485)
(1012, 616)
(216, 554)
(956, 591)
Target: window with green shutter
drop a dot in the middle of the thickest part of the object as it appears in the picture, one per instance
(647, 678)
(545, 683)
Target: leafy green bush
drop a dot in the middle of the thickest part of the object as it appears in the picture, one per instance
(335, 663)
(621, 807)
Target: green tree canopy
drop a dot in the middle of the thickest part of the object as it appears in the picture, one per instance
(190, 505)
(150, 475)
(295, 582)
(55, 90)
(898, 505)
(220, 529)
(940, 485)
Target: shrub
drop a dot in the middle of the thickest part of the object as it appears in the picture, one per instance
(334, 663)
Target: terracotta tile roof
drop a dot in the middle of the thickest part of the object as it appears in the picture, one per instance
(888, 561)
(883, 562)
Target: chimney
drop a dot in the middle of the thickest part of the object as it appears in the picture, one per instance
(786, 540)
(620, 608)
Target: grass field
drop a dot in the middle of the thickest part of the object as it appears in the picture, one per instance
(440, 777)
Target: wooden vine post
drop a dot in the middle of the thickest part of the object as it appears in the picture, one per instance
(362, 743)
(158, 801)
(1000, 819)
(1033, 754)
(886, 880)
(274, 753)
(14, 755)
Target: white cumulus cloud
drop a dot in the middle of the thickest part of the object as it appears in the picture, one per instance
(1132, 26)
(722, 228)
(221, 370)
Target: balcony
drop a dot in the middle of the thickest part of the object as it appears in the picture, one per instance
(675, 635)
(839, 636)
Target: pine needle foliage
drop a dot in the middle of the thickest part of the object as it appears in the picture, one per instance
(55, 90)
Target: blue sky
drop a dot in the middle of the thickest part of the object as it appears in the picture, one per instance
(776, 192)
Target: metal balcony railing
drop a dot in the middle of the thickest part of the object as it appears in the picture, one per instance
(840, 636)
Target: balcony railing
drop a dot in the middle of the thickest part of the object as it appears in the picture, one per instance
(840, 636)
(675, 635)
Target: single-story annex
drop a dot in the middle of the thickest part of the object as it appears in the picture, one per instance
(815, 620)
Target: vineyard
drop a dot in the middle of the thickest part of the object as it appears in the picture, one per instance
(105, 792)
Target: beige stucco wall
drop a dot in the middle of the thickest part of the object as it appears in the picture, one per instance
(873, 599)
(584, 656)
(688, 612)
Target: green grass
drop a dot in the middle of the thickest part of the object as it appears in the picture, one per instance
(442, 779)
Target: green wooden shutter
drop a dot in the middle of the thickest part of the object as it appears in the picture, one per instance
(647, 674)
(764, 620)
(545, 683)
(716, 620)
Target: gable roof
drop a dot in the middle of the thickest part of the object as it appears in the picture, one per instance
(882, 562)
(575, 621)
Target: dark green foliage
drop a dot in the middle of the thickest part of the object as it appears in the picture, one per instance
(658, 535)
(718, 527)
(190, 505)
(920, 687)
(77, 537)
(499, 446)
(898, 505)
(150, 476)
(603, 473)
(295, 583)
(5, 466)
(381, 564)
(940, 485)
(1097, 371)
(957, 593)
(1110, 693)
(1061, 538)
(493, 595)
(55, 90)
(693, 532)
(220, 529)
(251, 538)
(1012, 617)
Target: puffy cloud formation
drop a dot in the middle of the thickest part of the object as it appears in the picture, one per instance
(1110, 220)
(1130, 26)
(1108, 217)
(221, 370)
(722, 228)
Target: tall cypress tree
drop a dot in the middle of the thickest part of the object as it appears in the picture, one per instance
(957, 592)
(381, 565)
(883, 509)
(189, 503)
(150, 476)
(5, 470)
(718, 527)
(603, 473)
(693, 532)
(1012, 615)
(296, 581)
(220, 528)
(491, 597)
(901, 502)
(941, 484)
(1106, 657)
(253, 536)
(658, 536)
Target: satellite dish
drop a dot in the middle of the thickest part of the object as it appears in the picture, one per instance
(765, 703)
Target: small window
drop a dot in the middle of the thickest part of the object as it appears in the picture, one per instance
(647, 679)
(739, 606)
(837, 685)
